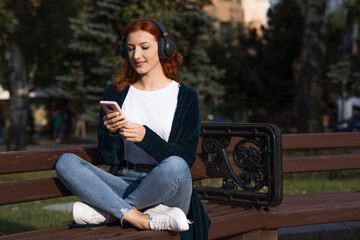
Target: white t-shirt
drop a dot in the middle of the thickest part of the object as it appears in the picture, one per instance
(154, 109)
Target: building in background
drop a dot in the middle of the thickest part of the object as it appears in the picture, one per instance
(255, 13)
(251, 13)
(229, 14)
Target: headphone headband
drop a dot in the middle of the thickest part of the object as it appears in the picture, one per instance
(158, 24)
(166, 46)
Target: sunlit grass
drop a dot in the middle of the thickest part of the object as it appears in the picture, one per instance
(30, 216)
(304, 183)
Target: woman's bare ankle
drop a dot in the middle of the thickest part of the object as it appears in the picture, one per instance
(137, 219)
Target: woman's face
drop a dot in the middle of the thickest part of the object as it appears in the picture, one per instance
(143, 52)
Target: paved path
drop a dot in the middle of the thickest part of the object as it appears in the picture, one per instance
(60, 207)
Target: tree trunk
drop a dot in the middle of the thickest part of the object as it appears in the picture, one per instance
(308, 69)
(19, 101)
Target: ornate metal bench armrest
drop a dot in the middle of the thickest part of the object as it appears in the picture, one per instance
(253, 172)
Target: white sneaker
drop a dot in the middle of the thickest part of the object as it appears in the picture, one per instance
(167, 218)
(86, 214)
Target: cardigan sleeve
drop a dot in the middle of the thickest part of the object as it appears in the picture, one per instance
(187, 143)
(110, 145)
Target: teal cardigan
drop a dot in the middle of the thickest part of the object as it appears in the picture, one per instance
(183, 142)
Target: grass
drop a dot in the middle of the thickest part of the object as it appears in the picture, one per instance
(30, 216)
(303, 183)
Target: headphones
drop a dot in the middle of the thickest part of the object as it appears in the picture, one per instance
(166, 46)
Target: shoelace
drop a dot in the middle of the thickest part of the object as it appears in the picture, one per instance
(161, 223)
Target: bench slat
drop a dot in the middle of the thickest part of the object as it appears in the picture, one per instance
(237, 222)
(89, 233)
(294, 210)
(320, 140)
(34, 234)
(32, 190)
(291, 165)
(321, 163)
(41, 160)
(319, 208)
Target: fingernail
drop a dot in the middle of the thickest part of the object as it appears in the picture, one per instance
(122, 116)
(117, 113)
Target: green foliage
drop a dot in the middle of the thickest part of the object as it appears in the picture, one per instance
(94, 50)
(243, 75)
(41, 30)
(42, 34)
(344, 79)
(94, 53)
(342, 76)
(7, 27)
(259, 73)
(282, 45)
(191, 28)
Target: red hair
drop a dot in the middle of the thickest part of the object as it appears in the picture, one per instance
(170, 66)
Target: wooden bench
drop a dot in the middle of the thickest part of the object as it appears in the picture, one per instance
(253, 211)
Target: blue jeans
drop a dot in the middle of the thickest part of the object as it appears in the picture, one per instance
(168, 183)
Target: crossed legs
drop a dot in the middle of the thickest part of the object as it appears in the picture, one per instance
(123, 196)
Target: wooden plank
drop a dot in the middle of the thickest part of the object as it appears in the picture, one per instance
(298, 210)
(31, 190)
(201, 170)
(295, 210)
(260, 235)
(238, 222)
(34, 234)
(88, 233)
(320, 140)
(308, 141)
(321, 163)
(41, 160)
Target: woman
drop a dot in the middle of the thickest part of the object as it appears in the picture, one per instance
(150, 148)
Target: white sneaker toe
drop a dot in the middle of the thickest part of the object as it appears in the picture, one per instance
(86, 214)
(167, 218)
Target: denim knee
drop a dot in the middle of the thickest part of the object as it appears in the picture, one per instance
(64, 162)
(176, 167)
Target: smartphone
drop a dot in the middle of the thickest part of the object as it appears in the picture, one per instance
(110, 107)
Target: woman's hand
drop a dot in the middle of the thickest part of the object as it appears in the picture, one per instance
(114, 122)
(133, 132)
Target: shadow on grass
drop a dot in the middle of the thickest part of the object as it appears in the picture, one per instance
(7, 228)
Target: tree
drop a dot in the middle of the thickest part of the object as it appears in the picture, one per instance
(259, 75)
(6, 29)
(95, 53)
(344, 79)
(282, 40)
(192, 26)
(342, 60)
(309, 68)
(33, 46)
(243, 77)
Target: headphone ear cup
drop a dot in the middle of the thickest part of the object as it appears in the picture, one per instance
(161, 48)
(166, 48)
(123, 50)
(169, 47)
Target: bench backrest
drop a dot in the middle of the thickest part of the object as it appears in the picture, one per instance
(43, 160)
(326, 161)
